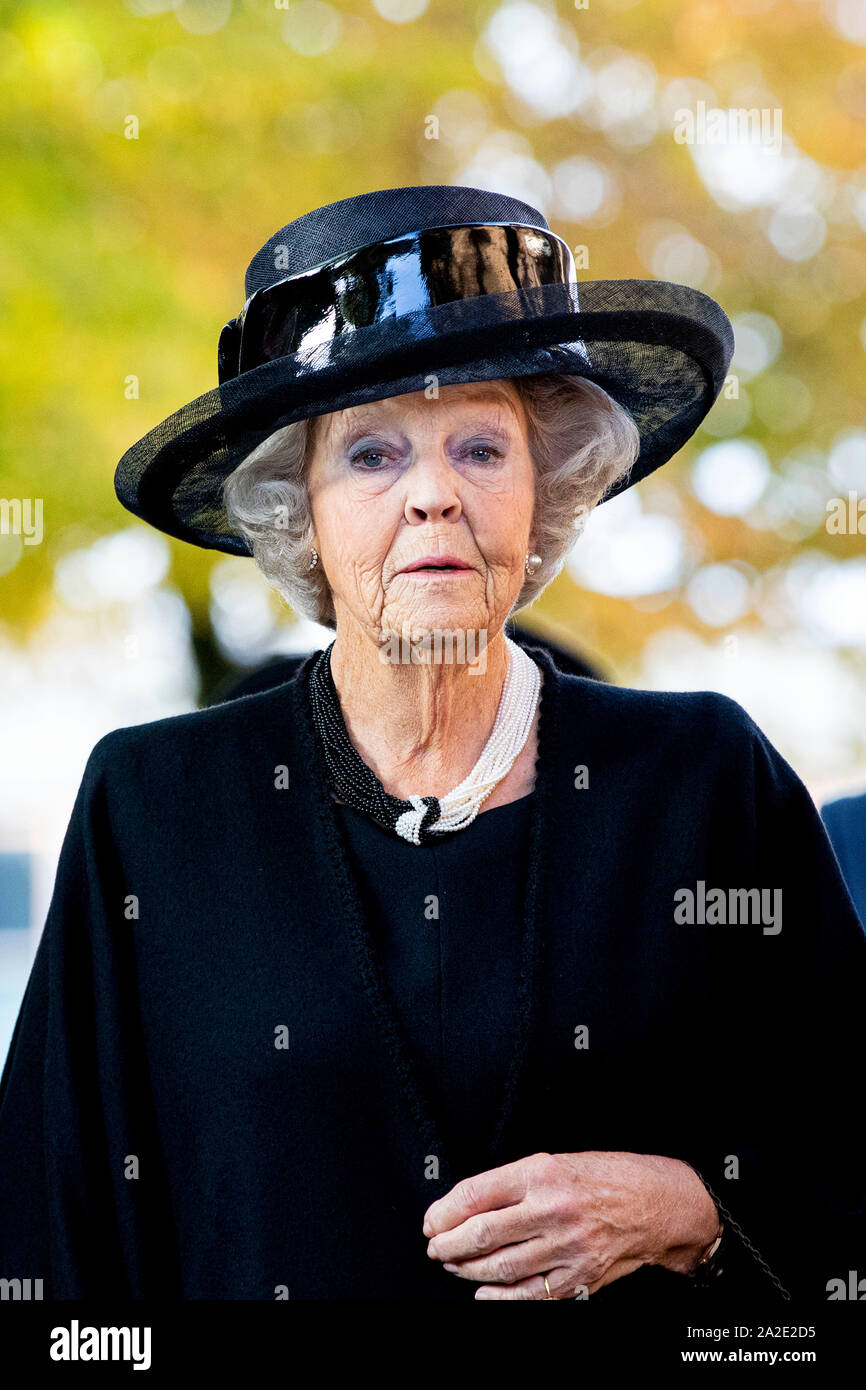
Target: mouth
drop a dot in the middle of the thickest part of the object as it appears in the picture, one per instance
(445, 564)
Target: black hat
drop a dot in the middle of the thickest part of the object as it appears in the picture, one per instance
(373, 296)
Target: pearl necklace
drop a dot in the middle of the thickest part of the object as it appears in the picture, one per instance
(420, 818)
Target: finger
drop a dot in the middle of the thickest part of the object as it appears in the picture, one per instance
(563, 1283)
(489, 1231)
(508, 1265)
(560, 1282)
(498, 1187)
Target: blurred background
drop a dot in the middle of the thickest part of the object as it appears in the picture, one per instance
(149, 148)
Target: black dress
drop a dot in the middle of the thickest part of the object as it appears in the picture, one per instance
(446, 922)
(205, 1096)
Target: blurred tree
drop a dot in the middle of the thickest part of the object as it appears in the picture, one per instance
(149, 148)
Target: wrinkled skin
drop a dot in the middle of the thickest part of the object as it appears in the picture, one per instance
(583, 1219)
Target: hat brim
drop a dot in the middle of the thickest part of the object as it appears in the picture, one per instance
(660, 349)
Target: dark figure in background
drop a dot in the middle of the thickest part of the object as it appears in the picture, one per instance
(845, 820)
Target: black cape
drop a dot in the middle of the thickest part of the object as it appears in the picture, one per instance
(156, 1142)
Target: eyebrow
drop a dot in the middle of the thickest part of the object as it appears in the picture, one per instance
(361, 430)
(494, 430)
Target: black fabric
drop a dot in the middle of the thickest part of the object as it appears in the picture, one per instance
(418, 1100)
(451, 963)
(662, 350)
(152, 1035)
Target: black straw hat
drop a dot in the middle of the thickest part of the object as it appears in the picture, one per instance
(373, 296)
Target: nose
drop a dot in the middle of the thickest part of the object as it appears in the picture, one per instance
(431, 489)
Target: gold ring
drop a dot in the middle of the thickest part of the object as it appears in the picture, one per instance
(547, 1286)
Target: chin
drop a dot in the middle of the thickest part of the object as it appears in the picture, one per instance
(443, 628)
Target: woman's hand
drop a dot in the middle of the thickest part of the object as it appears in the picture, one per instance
(583, 1219)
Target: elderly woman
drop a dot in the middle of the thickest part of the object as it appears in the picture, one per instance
(435, 973)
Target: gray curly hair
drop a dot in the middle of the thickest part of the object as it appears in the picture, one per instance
(581, 442)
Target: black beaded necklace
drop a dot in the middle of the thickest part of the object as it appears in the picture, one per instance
(354, 779)
(362, 942)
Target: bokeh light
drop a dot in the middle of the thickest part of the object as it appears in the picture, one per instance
(116, 569)
(538, 57)
(719, 594)
(846, 461)
(203, 16)
(626, 552)
(757, 344)
(585, 191)
(400, 11)
(730, 477)
(312, 27)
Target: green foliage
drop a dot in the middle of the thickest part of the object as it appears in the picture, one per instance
(122, 257)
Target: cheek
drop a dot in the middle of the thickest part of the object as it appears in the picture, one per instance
(355, 543)
(501, 519)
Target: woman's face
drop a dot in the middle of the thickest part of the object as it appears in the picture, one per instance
(407, 479)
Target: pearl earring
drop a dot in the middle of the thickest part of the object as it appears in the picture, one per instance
(531, 563)
(314, 560)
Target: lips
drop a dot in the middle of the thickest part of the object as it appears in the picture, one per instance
(435, 562)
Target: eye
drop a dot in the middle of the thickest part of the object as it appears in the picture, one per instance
(368, 460)
(489, 449)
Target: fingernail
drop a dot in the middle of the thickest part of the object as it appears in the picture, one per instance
(482, 1293)
(450, 1268)
(431, 1249)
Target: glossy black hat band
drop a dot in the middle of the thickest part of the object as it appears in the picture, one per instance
(305, 313)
